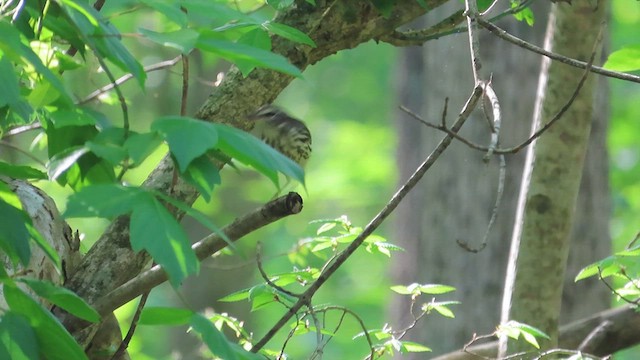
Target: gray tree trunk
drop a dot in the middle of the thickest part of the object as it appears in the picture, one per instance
(455, 200)
(551, 180)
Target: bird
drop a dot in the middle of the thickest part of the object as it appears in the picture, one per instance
(288, 135)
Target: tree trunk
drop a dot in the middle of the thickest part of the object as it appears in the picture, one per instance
(456, 200)
(551, 179)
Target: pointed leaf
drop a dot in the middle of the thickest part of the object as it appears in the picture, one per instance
(63, 298)
(187, 138)
(154, 229)
(53, 338)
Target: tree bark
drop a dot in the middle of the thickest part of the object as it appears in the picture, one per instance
(455, 201)
(551, 180)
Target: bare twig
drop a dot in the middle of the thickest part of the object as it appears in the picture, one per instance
(494, 212)
(595, 337)
(471, 12)
(529, 140)
(185, 85)
(563, 59)
(9, 145)
(375, 222)
(265, 277)
(132, 328)
(20, 129)
(154, 67)
(419, 37)
(495, 121)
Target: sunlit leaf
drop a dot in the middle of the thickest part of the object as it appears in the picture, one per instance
(289, 33)
(165, 316)
(53, 338)
(104, 200)
(154, 229)
(234, 51)
(63, 298)
(625, 59)
(17, 338)
(187, 138)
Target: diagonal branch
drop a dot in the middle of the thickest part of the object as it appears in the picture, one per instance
(305, 298)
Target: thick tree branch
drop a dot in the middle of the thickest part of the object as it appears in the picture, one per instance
(277, 209)
(622, 330)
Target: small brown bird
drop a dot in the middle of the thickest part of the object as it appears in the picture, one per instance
(288, 135)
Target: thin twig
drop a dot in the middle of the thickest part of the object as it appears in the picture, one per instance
(375, 222)
(21, 129)
(494, 212)
(132, 328)
(265, 277)
(471, 12)
(21, 151)
(185, 85)
(154, 67)
(417, 37)
(529, 140)
(563, 59)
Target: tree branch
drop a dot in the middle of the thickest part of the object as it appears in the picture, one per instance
(277, 209)
(111, 262)
(305, 298)
(616, 329)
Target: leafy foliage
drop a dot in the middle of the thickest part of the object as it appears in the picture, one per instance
(89, 152)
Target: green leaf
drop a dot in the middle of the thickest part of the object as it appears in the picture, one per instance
(187, 138)
(442, 308)
(524, 14)
(261, 295)
(385, 7)
(102, 37)
(140, 146)
(17, 339)
(61, 162)
(203, 174)
(13, 46)
(113, 153)
(251, 151)
(169, 9)
(436, 289)
(154, 229)
(76, 117)
(198, 215)
(105, 201)
(412, 347)
(595, 268)
(257, 38)
(9, 86)
(21, 171)
(236, 296)
(234, 51)
(514, 329)
(14, 237)
(63, 298)
(625, 59)
(215, 340)
(54, 340)
(289, 33)
(183, 40)
(165, 316)
(325, 227)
